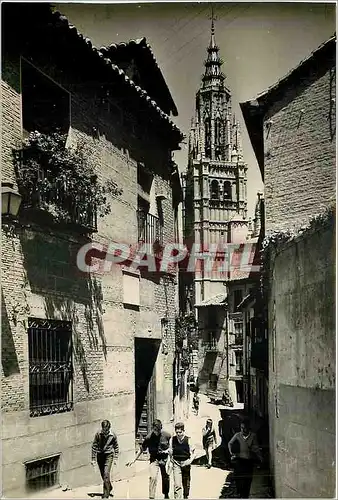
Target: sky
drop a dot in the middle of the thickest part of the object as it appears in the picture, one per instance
(259, 43)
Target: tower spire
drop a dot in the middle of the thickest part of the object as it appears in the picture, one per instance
(213, 63)
(212, 40)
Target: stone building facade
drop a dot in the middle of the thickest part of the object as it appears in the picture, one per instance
(215, 220)
(292, 127)
(81, 347)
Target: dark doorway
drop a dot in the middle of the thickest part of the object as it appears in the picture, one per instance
(146, 351)
(239, 390)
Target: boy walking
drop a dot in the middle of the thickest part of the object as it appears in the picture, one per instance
(209, 440)
(247, 447)
(196, 403)
(182, 456)
(157, 442)
(105, 450)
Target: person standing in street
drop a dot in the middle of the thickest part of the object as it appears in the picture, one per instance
(209, 440)
(105, 451)
(157, 442)
(182, 455)
(196, 403)
(247, 448)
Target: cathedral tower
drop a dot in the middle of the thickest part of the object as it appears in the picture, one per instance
(216, 178)
(215, 214)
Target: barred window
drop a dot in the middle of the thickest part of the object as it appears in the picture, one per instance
(239, 363)
(42, 473)
(50, 366)
(238, 332)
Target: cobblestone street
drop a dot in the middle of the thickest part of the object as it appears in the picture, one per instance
(205, 483)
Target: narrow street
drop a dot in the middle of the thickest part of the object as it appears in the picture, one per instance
(168, 231)
(205, 483)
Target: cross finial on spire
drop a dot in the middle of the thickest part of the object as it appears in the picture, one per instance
(213, 62)
(213, 19)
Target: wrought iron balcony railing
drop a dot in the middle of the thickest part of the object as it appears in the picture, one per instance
(75, 210)
(238, 340)
(150, 230)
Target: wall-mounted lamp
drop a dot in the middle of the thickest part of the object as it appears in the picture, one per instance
(268, 125)
(165, 349)
(10, 200)
(161, 196)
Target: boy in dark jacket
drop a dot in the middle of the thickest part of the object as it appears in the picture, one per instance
(243, 447)
(105, 450)
(157, 443)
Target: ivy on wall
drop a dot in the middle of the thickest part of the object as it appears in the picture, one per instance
(45, 168)
(186, 330)
(277, 239)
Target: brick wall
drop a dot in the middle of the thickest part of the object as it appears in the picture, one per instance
(300, 151)
(40, 280)
(11, 115)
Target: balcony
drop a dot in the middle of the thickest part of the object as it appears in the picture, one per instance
(57, 203)
(223, 203)
(239, 370)
(150, 230)
(237, 340)
(210, 345)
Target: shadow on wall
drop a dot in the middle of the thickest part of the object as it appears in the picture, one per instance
(50, 266)
(9, 358)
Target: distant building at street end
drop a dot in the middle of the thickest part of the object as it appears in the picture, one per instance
(292, 127)
(215, 214)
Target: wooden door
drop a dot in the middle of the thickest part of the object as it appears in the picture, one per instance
(145, 387)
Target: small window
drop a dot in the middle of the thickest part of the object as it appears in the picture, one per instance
(218, 132)
(238, 326)
(227, 191)
(50, 366)
(207, 126)
(239, 363)
(213, 381)
(42, 473)
(214, 190)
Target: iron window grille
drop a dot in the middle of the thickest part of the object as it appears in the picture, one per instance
(238, 333)
(42, 473)
(50, 367)
(239, 363)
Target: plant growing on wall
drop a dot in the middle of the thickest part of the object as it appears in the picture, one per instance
(186, 330)
(54, 177)
(275, 241)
